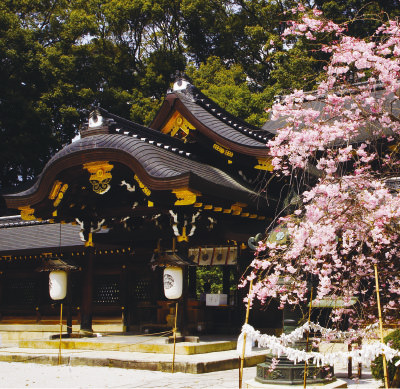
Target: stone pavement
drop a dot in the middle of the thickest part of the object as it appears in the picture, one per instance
(105, 368)
(19, 375)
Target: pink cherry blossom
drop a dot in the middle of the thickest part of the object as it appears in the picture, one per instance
(344, 159)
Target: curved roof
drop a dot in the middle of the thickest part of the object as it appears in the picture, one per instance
(157, 168)
(217, 125)
(213, 122)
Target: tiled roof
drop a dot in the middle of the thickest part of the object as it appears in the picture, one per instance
(218, 126)
(19, 235)
(126, 127)
(249, 130)
(160, 164)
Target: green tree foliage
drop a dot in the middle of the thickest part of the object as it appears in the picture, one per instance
(57, 57)
(229, 88)
(213, 275)
(366, 14)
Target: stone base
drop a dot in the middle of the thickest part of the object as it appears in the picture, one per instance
(331, 385)
(180, 338)
(288, 373)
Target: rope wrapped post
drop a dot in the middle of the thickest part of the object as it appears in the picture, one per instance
(244, 337)
(173, 355)
(308, 336)
(378, 300)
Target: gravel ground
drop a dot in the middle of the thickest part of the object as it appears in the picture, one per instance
(20, 375)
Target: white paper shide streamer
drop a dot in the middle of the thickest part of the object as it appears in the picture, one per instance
(279, 346)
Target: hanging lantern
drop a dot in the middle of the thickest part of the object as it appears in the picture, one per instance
(173, 281)
(58, 284)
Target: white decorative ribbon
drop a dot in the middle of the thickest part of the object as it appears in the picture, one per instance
(278, 346)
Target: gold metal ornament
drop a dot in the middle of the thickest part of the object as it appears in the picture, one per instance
(185, 196)
(27, 213)
(264, 164)
(100, 175)
(178, 127)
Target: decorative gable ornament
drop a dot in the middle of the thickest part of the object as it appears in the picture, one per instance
(178, 127)
(100, 175)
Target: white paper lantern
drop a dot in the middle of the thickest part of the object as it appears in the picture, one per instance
(173, 281)
(58, 284)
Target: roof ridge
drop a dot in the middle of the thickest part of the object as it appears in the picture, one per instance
(247, 129)
(167, 142)
(21, 222)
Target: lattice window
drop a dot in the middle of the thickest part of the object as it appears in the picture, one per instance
(107, 289)
(141, 290)
(20, 292)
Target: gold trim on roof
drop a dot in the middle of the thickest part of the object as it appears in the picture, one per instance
(264, 164)
(27, 213)
(55, 189)
(185, 196)
(142, 186)
(60, 195)
(223, 150)
(178, 126)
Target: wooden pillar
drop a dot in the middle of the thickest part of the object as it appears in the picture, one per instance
(1, 293)
(124, 297)
(69, 304)
(183, 304)
(87, 288)
(192, 282)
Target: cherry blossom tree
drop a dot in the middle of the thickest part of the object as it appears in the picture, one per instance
(339, 146)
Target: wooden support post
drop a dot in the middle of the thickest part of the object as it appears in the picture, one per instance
(192, 282)
(87, 289)
(378, 300)
(173, 355)
(124, 298)
(244, 337)
(183, 319)
(308, 336)
(349, 363)
(69, 305)
(59, 346)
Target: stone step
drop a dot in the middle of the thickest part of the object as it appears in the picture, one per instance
(195, 364)
(42, 331)
(144, 344)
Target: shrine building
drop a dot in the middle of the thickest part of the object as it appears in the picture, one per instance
(124, 201)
